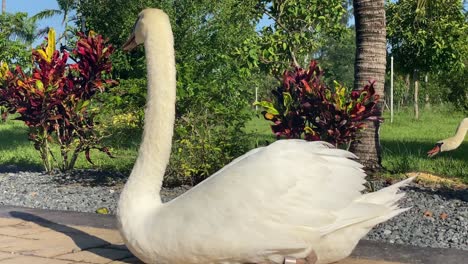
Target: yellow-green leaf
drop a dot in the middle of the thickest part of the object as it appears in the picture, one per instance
(43, 55)
(84, 105)
(102, 210)
(50, 45)
(308, 130)
(287, 101)
(269, 107)
(3, 69)
(40, 85)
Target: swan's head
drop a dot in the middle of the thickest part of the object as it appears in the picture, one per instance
(151, 17)
(439, 147)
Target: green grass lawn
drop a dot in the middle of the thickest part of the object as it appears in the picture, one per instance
(406, 141)
(16, 150)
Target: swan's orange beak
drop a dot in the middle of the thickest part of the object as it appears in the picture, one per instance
(436, 150)
(130, 44)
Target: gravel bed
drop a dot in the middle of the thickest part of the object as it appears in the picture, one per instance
(82, 191)
(438, 218)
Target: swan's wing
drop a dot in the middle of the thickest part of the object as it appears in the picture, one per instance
(257, 202)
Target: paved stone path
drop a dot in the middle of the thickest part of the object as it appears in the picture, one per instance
(47, 242)
(43, 241)
(56, 237)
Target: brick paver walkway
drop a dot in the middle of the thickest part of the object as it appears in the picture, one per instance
(46, 236)
(40, 241)
(46, 242)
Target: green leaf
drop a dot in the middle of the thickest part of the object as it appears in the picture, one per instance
(287, 101)
(103, 210)
(85, 104)
(40, 85)
(268, 106)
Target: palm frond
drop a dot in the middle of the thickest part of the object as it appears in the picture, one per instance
(22, 28)
(66, 4)
(46, 14)
(73, 18)
(42, 32)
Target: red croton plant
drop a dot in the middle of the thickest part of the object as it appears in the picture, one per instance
(304, 107)
(54, 99)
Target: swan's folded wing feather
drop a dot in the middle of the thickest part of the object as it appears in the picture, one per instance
(260, 199)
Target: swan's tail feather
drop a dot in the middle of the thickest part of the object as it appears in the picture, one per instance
(371, 209)
(392, 214)
(387, 196)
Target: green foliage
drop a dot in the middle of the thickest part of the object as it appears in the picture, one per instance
(401, 90)
(429, 38)
(450, 87)
(406, 141)
(458, 89)
(128, 98)
(337, 56)
(122, 113)
(305, 107)
(202, 146)
(439, 89)
(206, 35)
(17, 32)
(209, 85)
(298, 29)
(120, 17)
(53, 100)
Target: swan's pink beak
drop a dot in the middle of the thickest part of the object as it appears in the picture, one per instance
(130, 44)
(436, 150)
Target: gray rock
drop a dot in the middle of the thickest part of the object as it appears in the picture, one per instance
(88, 190)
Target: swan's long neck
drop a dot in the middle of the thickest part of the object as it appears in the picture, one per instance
(141, 192)
(457, 139)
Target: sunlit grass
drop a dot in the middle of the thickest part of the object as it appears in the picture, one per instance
(260, 131)
(16, 150)
(406, 141)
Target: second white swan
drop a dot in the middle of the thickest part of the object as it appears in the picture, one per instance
(291, 199)
(451, 143)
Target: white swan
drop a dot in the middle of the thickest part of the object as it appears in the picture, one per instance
(450, 143)
(293, 198)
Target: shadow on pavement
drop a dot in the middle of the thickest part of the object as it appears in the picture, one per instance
(83, 240)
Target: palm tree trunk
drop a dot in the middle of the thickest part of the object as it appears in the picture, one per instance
(370, 65)
(3, 6)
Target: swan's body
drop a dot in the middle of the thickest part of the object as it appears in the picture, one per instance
(291, 198)
(451, 143)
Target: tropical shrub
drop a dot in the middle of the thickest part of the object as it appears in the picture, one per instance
(125, 103)
(3, 74)
(203, 145)
(54, 99)
(305, 107)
